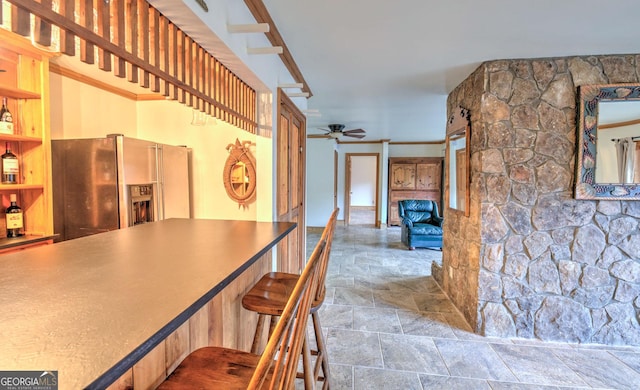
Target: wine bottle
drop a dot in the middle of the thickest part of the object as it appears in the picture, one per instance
(6, 119)
(10, 166)
(13, 215)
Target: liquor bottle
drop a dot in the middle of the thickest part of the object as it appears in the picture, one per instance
(10, 167)
(13, 215)
(6, 119)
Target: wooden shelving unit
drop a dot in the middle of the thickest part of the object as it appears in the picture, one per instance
(413, 178)
(25, 83)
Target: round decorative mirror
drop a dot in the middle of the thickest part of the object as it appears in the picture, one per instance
(239, 174)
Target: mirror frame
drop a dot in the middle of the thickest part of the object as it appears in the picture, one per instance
(459, 123)
(239, 152)
(588, 101)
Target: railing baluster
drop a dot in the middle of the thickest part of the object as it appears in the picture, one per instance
(154, 45)
(143, 38)
(67, 39)
(132, 38)
(86, 18)
(164, 52)
(119, 26)
(20, 21)
(42, 29)
(180, 72)
(173, 57)
(104, 29)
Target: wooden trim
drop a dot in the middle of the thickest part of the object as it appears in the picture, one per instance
(381, 141)
(358, 142)
(55, 68)
(335, 179)
(261, 15)
(149, 96)
(440, 142)
(23, 45)
(618, 124)
(347, 187)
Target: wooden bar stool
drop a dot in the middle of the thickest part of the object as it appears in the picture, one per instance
(269, 296)
(276, 368)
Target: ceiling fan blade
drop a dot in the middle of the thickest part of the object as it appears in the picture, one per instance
(353, 135)
(318, 136)
(353, 131)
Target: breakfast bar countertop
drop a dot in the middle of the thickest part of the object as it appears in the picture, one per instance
(91, 307)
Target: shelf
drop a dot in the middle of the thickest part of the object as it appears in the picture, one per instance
(9, 243)
(17, 187)
(19, 138)
(17, 93)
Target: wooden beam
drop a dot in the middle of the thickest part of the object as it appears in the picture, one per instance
(261, 15)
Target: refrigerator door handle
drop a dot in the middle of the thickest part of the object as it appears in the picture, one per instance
(160, 178)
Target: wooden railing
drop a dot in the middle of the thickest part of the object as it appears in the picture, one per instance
(136, 42)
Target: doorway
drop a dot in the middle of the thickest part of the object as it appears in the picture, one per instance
(362, 171)
(290, 177)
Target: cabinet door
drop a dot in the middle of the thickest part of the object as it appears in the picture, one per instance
(403, 177)
(428, 176)
(394, 218)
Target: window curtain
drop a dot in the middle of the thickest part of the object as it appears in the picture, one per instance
(625, 152)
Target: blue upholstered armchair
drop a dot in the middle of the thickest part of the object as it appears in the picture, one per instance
(421, 224)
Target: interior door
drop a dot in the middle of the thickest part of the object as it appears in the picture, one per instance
(291, 168)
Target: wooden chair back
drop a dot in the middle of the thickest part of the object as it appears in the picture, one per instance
(327, 235)
(278, 364)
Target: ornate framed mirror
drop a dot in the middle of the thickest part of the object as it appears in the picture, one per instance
(239, 173)
(608, 142)
(457, 161)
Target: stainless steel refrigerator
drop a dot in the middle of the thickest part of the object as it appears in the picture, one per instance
(103, 184)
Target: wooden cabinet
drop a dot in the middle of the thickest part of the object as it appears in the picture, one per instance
(24, 81)
(413, 178)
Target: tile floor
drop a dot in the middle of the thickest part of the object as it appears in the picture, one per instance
(389, 326)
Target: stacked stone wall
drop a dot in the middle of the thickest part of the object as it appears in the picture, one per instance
(537, 262)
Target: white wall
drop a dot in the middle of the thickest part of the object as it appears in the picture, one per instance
(418, 150)
(363, 181)
(320, 179)
(320, 169)
(79, 110)
(90, 112)
(170, 122)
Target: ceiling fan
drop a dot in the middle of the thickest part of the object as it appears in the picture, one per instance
(336, 130)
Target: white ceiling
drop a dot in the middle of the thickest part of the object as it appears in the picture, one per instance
(387, 66)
